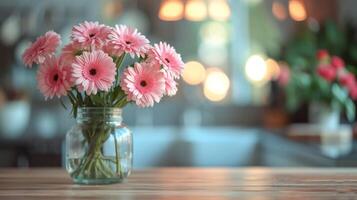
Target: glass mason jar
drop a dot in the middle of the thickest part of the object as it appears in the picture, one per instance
(99, 148)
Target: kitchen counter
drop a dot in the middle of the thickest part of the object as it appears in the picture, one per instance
(187, 183)
(191, 146)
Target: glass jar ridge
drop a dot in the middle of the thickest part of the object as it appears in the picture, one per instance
(99, 113)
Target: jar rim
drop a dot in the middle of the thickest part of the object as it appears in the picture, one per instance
(112, 110)
(99, 108)
(104, 113)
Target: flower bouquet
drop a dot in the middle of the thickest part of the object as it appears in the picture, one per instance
(328, 84)
(94, 72)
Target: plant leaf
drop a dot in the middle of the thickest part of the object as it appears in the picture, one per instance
(350, 110)
(97, 100)
(340, 93)
(62, 103)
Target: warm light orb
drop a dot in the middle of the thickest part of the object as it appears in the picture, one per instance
(194, 73)
(279, 10)
(216, 85)
(112, 9)
(297, 10)
(195, 10)
(219, 10)
(256, 69)
(272, 68)
(171, 10)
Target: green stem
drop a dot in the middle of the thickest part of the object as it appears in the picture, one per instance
(119, 60)
(94, 165)
(71, 97)
(121, 103)
(118, 64)
(116, 154)
(79, 97)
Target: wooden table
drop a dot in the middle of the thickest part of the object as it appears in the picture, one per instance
(187, 183)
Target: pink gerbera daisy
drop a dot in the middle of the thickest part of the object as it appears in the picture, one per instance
(90, 34)
(110, 50)
(153, 57)
(170, 85)
(43, 46)
(125, 39)
(53, 78)
(93, 71)
(143, 83)
(70, 51)
(167, 56)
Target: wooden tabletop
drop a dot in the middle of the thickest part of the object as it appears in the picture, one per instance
(187, 183)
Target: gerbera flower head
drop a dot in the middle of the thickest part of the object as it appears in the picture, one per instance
(129, 40)
(90, 34)
(171, 61)
(93, 71)
(54, 79)
(70, 51)
(143, 83)
(170, 85)
(43, 47)
(153, 57)
(110, 50)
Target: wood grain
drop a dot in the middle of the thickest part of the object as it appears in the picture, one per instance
(187, 183)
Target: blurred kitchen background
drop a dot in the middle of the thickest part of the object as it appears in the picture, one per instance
(230, 109)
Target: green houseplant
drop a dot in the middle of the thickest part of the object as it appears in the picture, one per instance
(314, 76)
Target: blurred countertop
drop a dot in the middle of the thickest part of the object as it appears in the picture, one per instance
(189, 146)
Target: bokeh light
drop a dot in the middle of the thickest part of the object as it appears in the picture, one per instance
(214, 32)
(279, 10)
(195, 10)
(219, 10)
(216, 85)
(194, 73)
(171, 10)
(212, 48)
(252, 2)
(256, 69)
(273, 68)
(297, 10)
(112, 9)
(213, 54)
